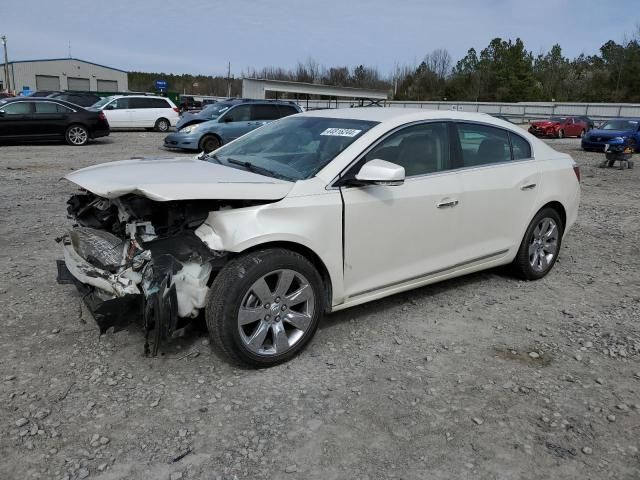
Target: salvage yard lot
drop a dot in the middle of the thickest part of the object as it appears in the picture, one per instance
(434, 383)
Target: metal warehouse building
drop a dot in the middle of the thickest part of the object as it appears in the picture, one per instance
(65, 74)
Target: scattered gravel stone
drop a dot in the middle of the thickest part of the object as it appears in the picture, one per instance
(587, 450)
(8, 378)
(623, 407)
(155, 403)
(611, 418)
(534, 355)
(599, 381)
(21, 422)
(83, 473)
(291, 469)
(55, 330)
(477, 420)
(176, 476)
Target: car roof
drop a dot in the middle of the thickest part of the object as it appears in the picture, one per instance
(71, 105)
(397, 114)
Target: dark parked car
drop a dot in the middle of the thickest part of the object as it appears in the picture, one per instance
(77, 98)
(43, 93)
(623, 128)
(29, 118)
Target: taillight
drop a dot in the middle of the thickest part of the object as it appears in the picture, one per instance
(576, 170)
(102, 116)
(176, 109)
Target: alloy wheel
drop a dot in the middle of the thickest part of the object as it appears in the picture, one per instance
(543, 246)
(77, 136)
(276, 312)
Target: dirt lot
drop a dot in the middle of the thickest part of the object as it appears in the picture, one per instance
(437, 383)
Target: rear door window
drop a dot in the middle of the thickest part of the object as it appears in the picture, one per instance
(521, 148)
(482, 144)
(50, 107)
(264, 112)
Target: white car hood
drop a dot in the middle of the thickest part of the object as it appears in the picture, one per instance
(178, 179)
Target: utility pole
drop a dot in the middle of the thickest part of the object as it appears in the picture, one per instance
(229, 79)
(6, 64)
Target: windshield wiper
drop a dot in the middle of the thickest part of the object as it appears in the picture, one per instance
(257, 169)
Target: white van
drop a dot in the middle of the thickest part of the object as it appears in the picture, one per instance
(139, 111)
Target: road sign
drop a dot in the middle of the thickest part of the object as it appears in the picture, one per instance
(162, 84)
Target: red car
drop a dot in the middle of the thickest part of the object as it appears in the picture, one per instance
(559, 127)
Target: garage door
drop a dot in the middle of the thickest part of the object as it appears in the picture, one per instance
(47, 82)
(107, 85)
(81, 84)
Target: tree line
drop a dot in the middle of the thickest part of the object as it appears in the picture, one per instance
(503, 71)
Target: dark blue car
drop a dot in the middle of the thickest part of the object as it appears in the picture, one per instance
(621, 127)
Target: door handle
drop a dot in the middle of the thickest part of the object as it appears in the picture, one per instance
(529, 186)
(449, 204)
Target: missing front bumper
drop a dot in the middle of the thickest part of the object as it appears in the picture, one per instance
(116, 312)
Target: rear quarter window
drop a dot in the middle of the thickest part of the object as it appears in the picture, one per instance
(520, 147)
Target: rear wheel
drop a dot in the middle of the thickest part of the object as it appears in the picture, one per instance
(264, 307)
(162, 125)
(540, 246)
(77, 135)
(209, 143)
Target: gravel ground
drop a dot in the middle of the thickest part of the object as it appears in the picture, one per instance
(479, 377)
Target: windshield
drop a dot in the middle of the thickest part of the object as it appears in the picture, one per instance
(215, 110)
(558, 119)
(103, 102)
(293, 148)
(620, 125)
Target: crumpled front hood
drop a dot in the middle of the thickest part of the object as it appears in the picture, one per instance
(178, 179)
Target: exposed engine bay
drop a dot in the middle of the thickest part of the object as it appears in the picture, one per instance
(134, 258)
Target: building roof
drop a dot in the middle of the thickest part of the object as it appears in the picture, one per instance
(68, 58)
(383, 114)
(312, 89)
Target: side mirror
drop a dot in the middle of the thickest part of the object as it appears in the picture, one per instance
(2, 113)
(381, 172)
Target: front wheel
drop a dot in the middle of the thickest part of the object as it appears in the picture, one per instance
(540, 246)
(209, 143)
(560, 133)
(264, 307)
(162, 125)
(76, 135)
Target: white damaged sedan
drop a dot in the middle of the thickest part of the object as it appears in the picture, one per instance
(312, 214)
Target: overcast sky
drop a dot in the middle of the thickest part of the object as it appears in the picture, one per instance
(199, 36)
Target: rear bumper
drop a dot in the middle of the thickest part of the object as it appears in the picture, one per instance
(100, 133)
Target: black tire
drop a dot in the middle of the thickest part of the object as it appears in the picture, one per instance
(162, 125)
(630, 164)
(521, 265)
(232, 286)
(76, 135)
(560, 133)
(209, 143)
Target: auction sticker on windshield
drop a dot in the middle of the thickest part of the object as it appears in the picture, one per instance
(341, 132)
